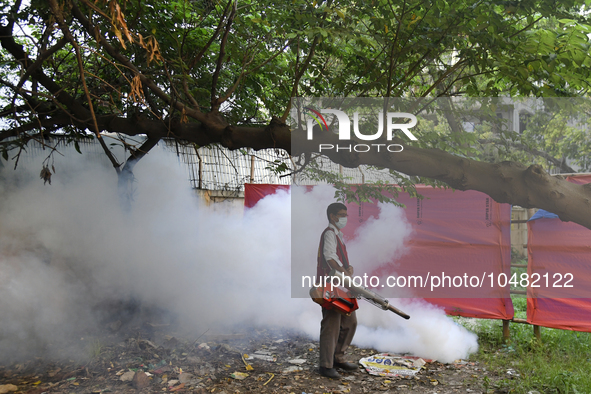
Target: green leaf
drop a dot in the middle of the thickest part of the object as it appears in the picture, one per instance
(523, 72)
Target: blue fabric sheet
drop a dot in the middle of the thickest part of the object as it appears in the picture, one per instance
(541, 214)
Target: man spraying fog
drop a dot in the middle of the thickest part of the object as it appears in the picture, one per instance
(336, 330)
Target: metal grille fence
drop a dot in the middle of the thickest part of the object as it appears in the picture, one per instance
(218, 168)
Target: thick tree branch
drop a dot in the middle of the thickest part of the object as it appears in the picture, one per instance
(275, 135)
(137, 154)
(506, 182)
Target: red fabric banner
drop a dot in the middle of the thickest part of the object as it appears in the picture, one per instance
(563, 313)
(555, 249)
(253, 192)
(454, 233)
(579, 179)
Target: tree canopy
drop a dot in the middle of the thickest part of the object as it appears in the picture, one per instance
(224, 72)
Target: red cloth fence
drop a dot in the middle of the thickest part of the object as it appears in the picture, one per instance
(459, 232)
(454, 233)
(556, 248)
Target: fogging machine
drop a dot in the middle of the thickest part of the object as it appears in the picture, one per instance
(345, 301)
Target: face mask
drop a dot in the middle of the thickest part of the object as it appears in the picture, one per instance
(342, 222)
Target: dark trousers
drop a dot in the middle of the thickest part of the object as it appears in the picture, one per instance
(336, 334)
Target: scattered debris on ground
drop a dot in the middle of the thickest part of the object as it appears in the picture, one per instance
(389, 365)
(257, 361)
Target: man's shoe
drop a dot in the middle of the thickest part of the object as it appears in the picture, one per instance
(329, 372)
(346, 366)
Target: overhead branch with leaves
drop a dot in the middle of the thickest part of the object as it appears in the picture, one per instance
(225, 72)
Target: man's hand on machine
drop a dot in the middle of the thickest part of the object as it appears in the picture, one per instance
(337, 267)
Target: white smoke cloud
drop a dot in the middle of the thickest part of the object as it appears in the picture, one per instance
(378, 242)
(66, 247)
(428, 333)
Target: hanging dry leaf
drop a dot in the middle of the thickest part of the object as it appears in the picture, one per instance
(136, 94)
(45, 175)
(118, 23)
(118, 34)
(184, 118)
(151, 46)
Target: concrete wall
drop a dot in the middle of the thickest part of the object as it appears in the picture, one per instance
(231, 202)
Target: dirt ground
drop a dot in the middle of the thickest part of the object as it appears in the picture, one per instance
(119, 361)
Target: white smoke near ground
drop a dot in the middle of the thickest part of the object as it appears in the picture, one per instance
(429, 333)
(67, 247)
